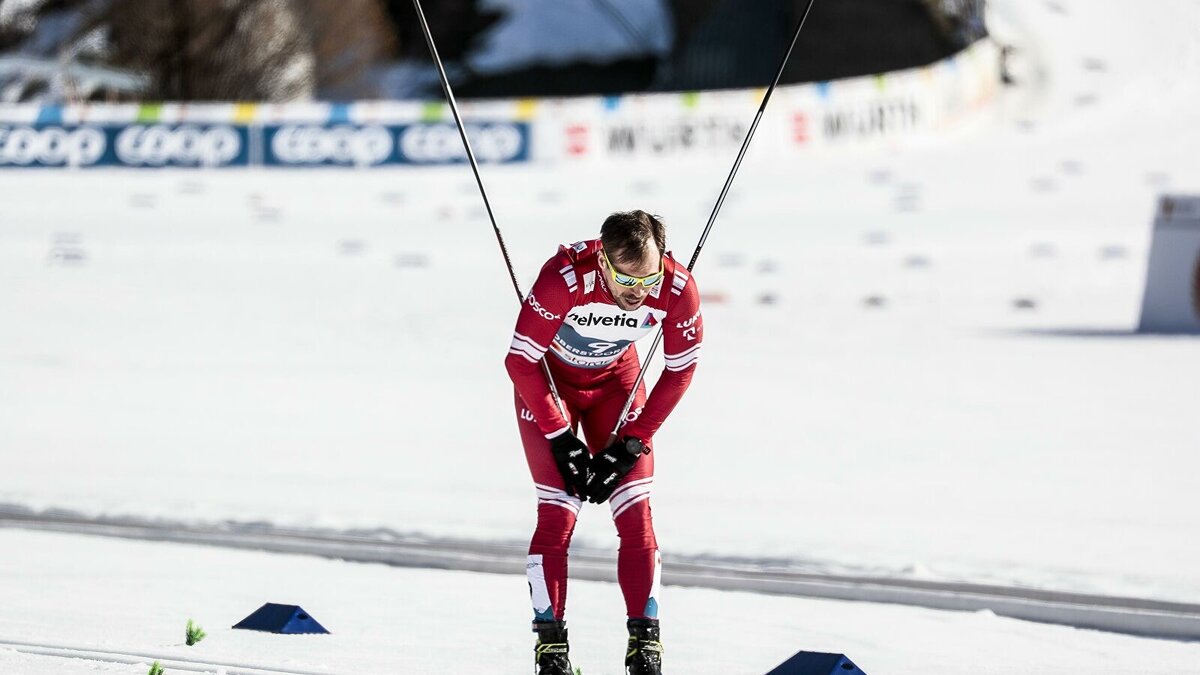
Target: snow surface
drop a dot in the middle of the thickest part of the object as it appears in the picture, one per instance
(135, 597)
(326, 348)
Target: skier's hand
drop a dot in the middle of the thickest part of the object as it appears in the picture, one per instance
(610, 466)
(572, 457)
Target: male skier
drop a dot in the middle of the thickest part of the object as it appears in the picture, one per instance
(590, 303)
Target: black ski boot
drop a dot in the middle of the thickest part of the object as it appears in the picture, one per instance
(550, 653)
(644, 656)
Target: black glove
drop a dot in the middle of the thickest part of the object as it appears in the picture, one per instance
(572, 457)
(610, 466)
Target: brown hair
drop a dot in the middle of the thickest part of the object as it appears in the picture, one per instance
(626, 234)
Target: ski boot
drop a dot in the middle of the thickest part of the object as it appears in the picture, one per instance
(644, 656)
(550, 653)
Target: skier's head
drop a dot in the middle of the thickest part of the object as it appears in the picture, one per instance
(632, 259)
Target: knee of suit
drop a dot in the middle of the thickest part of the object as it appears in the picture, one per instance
(635, 528)
(555, 525)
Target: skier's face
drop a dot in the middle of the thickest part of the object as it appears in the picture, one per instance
(630, 298)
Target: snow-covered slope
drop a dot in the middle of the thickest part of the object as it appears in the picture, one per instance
(135, 599)
(922, 363)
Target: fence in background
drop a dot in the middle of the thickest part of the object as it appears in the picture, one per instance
(866, 112)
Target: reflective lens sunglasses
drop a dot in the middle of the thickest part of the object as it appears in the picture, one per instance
(628, 281)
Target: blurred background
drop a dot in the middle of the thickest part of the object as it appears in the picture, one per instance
(296, 50)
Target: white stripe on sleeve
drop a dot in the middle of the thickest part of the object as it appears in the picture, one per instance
(680, 355)
(523, 348)
(556, 434)
(523, 355)
(529, 341)
(682, 360)
(568, 275)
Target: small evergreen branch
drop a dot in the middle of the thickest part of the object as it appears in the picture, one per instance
(155, 669)
(194, 633)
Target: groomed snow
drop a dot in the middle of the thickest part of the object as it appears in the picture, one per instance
(325, 348)
(135, 598)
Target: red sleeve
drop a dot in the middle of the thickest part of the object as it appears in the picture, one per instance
(541, 315)
(683, 331)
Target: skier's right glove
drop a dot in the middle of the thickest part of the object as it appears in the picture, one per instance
(611, 465)
(572, 458)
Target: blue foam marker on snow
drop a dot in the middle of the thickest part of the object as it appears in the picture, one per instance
(817, 663)
(286, 619)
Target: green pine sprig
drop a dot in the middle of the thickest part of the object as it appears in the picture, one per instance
(194, 633)
(155, 669)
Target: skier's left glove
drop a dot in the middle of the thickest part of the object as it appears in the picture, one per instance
(611, 465)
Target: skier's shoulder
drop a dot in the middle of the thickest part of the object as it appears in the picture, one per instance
(576, 256)
(580, 252)
(677, 275)
(571, 262)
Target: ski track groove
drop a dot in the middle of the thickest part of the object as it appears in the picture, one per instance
(134, 658)
(1132, 616)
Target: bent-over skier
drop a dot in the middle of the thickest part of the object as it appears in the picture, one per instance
(590, 303)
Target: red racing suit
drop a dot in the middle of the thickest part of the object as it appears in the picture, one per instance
(570, 313)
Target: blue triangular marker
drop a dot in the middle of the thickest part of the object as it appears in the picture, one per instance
(817, 663)
(286, 619)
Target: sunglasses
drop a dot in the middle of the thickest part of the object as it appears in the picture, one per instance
(628, 281)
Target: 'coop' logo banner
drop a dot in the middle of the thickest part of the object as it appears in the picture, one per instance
(139, 145)
(379, 144)
(284, 145)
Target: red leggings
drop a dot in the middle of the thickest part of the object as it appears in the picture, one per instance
(596, 411)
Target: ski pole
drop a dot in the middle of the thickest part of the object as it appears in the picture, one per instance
(716, 208)
(462, 132)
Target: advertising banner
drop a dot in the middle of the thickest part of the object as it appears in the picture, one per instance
(310, 145)
(697, 134)
(275, 145)
(872, 113)
(138, 145)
